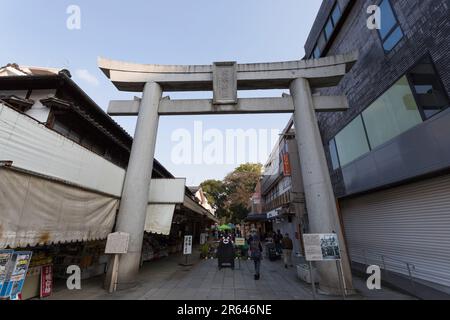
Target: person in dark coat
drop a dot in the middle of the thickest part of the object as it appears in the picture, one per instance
(288, 246)
(256, 249)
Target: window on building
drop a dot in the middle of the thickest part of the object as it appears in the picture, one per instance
(417, 96)
(98, 148)
(327, 31)
(336, 14)
(390, 31)
(391, 114)
(316, 53)
(321, 43)
(61, 128)
(334, 154)
(329, 27)
(74, 136)
(429, 92)
(351, 142)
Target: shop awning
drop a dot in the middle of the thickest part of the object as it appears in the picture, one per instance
(165, 194)
(37, 211)
(159, 218)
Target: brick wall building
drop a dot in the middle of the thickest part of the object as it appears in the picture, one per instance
(389, 154)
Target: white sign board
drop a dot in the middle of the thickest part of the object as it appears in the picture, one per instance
(187, 249)
(203, 238)
(117, 243)
(321, 247)
(167, 191)
(239, 241)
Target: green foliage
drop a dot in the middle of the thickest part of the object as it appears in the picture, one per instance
(204, 250)
(231, 196)
(250, 167)
(216, 194)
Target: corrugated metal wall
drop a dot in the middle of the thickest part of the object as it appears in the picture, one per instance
(407, 224)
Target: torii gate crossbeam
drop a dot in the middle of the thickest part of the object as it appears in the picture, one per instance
(225, 78)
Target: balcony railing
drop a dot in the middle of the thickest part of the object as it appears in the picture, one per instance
(284, 199)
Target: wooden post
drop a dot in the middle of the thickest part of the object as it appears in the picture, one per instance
(313, 282)
(114, 274)
(341, 286)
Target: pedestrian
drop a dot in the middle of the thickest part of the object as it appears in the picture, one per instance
(255, 252)
(287, 245)
(277, 239)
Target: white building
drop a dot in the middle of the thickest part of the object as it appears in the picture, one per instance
(201, 198)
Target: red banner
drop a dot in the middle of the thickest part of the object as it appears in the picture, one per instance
(286, 165)
(46, 281)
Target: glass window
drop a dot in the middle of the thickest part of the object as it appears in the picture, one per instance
(351, 142)
(322, 41)
(390, 31)
(316, 53)
(336, 15)
(334, 154)
(388, 20)
(60, 127)
(391, 114)
(329, 28)
(75, 136)
(429, 92)
(392, 40)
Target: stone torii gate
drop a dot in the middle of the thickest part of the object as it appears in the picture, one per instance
(224, 79)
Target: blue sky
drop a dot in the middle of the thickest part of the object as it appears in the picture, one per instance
(34, 33)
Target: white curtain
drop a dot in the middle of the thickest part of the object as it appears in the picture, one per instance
(159, 218)
(34, 210)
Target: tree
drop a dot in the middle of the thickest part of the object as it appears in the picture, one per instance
(216, 194)
(231, 196)
(240, 185)
(250, 167)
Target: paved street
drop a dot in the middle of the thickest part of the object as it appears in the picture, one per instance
(167, 280)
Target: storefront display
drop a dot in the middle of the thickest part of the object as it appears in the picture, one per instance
(15, 276)
(5, 265)
(89, 256)
(157, 246)
(41, 257)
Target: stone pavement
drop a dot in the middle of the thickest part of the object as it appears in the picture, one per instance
(166, 280)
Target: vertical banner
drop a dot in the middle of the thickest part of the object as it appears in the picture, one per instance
(187, 245)
(203, 238)
(46, 281)
(286, 165)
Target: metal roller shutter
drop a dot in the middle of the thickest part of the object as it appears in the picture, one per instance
(407, 224)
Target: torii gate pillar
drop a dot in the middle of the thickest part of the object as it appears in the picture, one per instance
(320, 200)
(134, 201)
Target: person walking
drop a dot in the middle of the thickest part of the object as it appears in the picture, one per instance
(287, 245)
(278, 237)
(255, 246)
